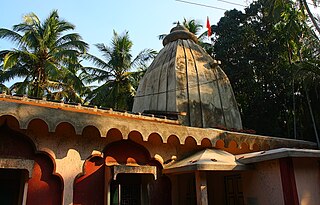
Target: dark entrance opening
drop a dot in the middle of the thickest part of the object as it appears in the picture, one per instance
(130, 189)
(11, 186)
(234, 194)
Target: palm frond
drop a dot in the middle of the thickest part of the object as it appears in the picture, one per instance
(20, 87)
(96, 61)
(81, 46)
(10, 60)
(4, 88)
(16, 71)
(11, 35)
(65, 26)
(67, 38)
(66, 55)
(3, 53)
(308, 66)
(143, 57)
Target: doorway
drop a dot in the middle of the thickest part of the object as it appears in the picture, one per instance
(234, 194)
(11, 186)
(130, 189)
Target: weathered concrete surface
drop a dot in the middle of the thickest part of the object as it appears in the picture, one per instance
(184, 78)
(9, 163)
(137, 169)
(70, 134)
(52, 115)
(201, 188)
(262, 185)
(69, 168)
(205, 160)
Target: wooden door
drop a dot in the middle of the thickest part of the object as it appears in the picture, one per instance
(234, 194)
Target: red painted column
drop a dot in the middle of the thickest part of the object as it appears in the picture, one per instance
(288, 180)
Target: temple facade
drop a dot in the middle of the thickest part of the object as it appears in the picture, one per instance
(167, 151)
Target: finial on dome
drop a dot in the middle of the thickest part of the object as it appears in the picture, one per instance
(179, 32)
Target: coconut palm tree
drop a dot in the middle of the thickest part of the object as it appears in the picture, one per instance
(44, 56)
(192, 25)
(3, 87)
(117, 74)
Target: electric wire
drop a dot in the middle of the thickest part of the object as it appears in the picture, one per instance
(204, 5)
(228, 2)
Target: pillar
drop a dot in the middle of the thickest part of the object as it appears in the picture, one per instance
(68, 168)
(107, 188)
(290, 194)
(201, 188)
(25, 192)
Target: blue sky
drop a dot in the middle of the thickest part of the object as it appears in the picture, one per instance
(95, 20)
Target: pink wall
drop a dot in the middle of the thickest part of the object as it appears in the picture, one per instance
(307, 175)
(43, 187)
(262, 184)
(89, 188)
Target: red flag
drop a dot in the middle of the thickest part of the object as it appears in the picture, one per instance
(208, 27)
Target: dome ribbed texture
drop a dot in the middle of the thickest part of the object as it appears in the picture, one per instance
(184, 78)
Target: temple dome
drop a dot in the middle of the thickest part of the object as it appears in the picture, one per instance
(183, 78)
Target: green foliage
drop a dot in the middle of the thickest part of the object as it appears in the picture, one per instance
(118, 83)
(191, 25)
(46, 58)
(268, 56)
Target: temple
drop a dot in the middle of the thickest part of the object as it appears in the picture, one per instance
(185, 80)
(169, 150)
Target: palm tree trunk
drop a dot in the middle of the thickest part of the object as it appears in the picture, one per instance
(38, 84)
(314, 21)
(294, 112)
(312, 117)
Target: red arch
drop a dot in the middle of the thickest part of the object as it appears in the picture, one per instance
(155, 138)
(126, 152)
(91, 131)
(173, 140)
(43, 187)
(206, 143)
(10, 121)
(190, 141)
(135, 136)
(65, 129)
(219, 144)
(38, 126)
(114, 135)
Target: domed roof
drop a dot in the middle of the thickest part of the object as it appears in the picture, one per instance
(183, 78)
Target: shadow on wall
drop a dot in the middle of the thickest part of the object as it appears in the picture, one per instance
(44, 187)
